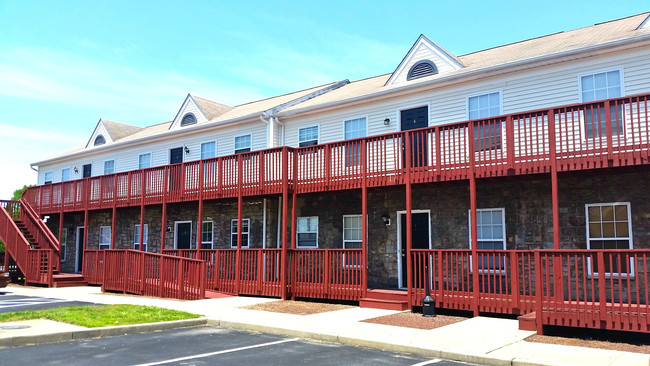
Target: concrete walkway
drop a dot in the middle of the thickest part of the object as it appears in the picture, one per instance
(481, 340)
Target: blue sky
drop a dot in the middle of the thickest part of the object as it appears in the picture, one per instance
(65, 64)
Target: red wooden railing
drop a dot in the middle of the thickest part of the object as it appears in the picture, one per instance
(93, 266)
(606, 133)
(37, 227)
(151, 274)
(563, 287)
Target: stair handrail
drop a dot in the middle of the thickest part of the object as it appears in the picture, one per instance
(15, 244)
(50, 239)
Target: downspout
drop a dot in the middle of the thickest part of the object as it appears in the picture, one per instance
(269, 129)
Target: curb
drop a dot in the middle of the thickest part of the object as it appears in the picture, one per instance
(358, 342)
(99, 332)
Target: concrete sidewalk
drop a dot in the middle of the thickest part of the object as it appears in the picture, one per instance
(481, 340)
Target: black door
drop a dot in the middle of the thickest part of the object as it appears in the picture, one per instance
(80, 249)
(176, 155)
(419, 237)
(87, 170)
(183, 235)
(412, 119)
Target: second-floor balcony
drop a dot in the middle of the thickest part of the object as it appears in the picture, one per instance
(606, 133)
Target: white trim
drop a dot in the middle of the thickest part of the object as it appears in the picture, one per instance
(69, 174)
(211, 242)
(150, 160)
(201, 148)
(582, 118)
(645, 23)
(413, 106)
(317, 125)
(601, 71)
(176, 122)
(110, 231)
(45, 177)
(400, 280)
(629, 239)
(469, 224)
(176, 232)
(234, 142)
(145, 238)
(486, 92)
(298, 246)
(353, 118)
(104, 166)
(248, 240)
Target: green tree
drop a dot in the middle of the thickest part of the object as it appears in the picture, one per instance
(19, 192)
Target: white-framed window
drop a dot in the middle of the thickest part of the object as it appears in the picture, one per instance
(64, 243)
(243, 143)
(136, 237)
(109, 167)
(207, 235)
(308, 136)
(609, 226)
(307, 232)
(99, 140)
(144, 161)
(65, 174)
(245, 233)
(352, 235)
(353, 129)
(104, 237)
(491, 235)
(597, 86)
(49, 176)
(487, 135)
(208, 150)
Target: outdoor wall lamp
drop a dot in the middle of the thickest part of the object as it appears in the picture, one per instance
(169, 229)
(386, 219)
(386, 121)
(187, 150)
(76, 170)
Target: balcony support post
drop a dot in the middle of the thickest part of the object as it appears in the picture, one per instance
(409, 218)
(294, 235)
(364, 221)
(473, 226)
(58, 263)
(285, 209)
(163, 227)
(140, 240)
(199, 231)
(554, 183)
(240, 202)
(84, 240)
(113, 226)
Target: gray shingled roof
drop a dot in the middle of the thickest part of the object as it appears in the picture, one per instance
(210, 108)
(118, 130)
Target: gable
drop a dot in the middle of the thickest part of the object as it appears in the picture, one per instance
(645, 24)
(428, 58)
(189, 108)
(100, 130)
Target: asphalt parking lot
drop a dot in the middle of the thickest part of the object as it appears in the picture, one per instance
(205, 345)
(11, 303)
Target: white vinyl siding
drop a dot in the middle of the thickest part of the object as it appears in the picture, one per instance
(136, 237)
(307, 232)
(104, 237)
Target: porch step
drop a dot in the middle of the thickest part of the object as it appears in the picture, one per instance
(211, 294)
(385, 299)
(69, 280)
(528, 321)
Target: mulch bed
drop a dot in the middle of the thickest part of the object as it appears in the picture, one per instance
(415, 320)
(579, 342)
(297, 307)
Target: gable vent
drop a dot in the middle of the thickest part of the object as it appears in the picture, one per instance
(422, 69)
(99, 140)
(188, 119)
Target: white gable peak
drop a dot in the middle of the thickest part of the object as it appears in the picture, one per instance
(191, 112)
(100, 135)
(425, 58)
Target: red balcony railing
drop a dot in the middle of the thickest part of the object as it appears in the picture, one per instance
(605, 133)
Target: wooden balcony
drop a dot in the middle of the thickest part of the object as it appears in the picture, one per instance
(607, 133)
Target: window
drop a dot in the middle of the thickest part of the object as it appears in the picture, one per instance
(144, 161)
(208, 150)
(421, 69)
(64, 243)
(104, 237)
(308, 136)
(109, 167)
(352, 231)
(99, 140)
(188, 119)
(242, 144)
(48, 178)
(354, 128)
(65, 174)
(609, 227)
(136, 237)
(307, 232)
(491, 235)
(206, 235)
(603, 85)
(245, 230)
(487, 135)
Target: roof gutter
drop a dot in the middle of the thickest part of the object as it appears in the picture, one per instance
(482, 73)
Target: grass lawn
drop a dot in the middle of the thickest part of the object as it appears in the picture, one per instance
(101, 315)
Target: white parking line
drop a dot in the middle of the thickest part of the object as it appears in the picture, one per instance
(429, 362)
(202, 355)
(27, 302)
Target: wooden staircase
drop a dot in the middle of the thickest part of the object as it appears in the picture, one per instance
(69, 280)
(385, 299)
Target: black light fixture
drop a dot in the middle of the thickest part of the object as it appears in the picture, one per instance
(386, 121)
(187, 150)
(386, 219)
(76, 170)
